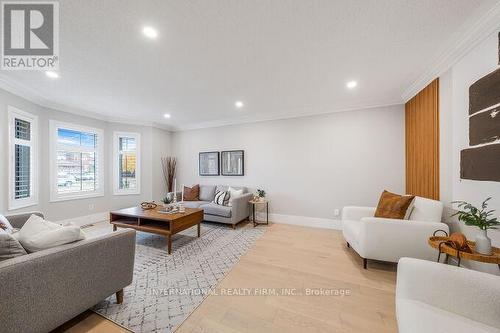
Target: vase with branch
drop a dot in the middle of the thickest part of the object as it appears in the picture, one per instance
(481, 218)
(169, 168)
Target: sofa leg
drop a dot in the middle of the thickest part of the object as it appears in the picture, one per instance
(348, 245)
(365, 262)
(233, 226)
(119, 296)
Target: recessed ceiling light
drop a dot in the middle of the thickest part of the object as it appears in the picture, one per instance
(166, 115)
(352, 84)
(150, 32)
(51, 74)
(239, 104)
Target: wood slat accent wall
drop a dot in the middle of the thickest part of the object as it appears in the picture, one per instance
(422, 142)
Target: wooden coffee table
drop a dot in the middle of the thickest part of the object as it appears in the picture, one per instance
(153, 221)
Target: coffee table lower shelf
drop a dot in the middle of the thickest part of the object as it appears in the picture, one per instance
(156, 223)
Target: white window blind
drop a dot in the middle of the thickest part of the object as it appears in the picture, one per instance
(22, 152)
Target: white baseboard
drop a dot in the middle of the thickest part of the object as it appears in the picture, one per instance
(306, 221)
(87, 219)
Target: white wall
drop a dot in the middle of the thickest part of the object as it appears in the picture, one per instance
(308, 166)
(454, 105)
(154, 144)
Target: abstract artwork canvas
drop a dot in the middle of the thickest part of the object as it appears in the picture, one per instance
(209, 163)
(481, 160)
(233, 163)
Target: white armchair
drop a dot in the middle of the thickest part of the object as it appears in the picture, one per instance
(390, 239)
(438, 298)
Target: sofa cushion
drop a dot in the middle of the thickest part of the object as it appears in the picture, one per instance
(195, 204)
(9, 246)
(207, 192)
(38, 234)
(426, 210)
(191, 193)
(394, 206)
(217, 210)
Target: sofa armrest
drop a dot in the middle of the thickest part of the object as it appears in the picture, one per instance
(240, 209)
(65, 281)
(449, 288)
(19, 220)
(392, 239)
(356, 213)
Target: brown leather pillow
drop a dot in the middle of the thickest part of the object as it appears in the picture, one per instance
(393, 206)
(192, 193)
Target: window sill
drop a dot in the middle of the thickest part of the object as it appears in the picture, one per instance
(75, 197)
(16, 206)
(127, 193)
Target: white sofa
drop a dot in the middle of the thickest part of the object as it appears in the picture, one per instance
(390, 239)
(438, 298)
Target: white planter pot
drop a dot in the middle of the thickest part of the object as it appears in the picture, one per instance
(483, 243)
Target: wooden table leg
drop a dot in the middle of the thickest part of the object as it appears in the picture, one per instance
(169, 240)
(114, 227)
(199, 228)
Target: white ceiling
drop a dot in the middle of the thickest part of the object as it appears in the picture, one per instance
(282, 58)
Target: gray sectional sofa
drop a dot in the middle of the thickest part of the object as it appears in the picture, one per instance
(42, 290)
(237, 212)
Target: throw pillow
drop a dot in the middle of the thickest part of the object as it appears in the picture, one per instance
(38, 234)
(233, 194)
(5, 225)
(222, 198)
(9, 246)
(192, 193)
(394, 206)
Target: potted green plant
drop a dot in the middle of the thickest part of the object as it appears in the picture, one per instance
(261, 194)
(481, 218)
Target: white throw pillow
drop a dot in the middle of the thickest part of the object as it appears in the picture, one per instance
(233, 194)
(6, 222)
(38, 234)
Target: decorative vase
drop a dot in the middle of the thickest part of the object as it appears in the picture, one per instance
(483, 243)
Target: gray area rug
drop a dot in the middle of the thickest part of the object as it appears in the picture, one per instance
(167, 288)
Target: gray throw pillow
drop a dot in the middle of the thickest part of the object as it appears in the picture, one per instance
(10, 247)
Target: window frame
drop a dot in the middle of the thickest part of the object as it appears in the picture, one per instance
(32, 200)
(116, 152)
(54, 127)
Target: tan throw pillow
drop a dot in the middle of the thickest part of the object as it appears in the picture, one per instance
(192, 193)
(393, 206)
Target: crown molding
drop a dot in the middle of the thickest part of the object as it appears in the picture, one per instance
(298, 114)
(463, 41)
(35, 97)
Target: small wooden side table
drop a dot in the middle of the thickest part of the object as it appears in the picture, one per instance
(255, 203)
(438, 242)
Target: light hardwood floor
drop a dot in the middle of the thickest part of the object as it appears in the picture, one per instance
(293, 257)
(297, 257)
